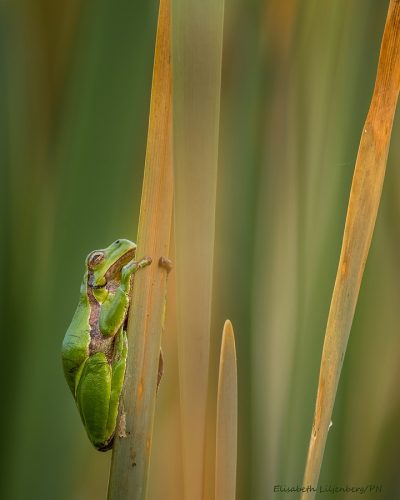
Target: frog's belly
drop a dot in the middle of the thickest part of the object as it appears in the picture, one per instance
(103, 343)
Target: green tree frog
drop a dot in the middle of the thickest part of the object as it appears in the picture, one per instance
(95, 346)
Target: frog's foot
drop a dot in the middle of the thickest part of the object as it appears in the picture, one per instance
(106, 446)
(146, 261)
(134, 266)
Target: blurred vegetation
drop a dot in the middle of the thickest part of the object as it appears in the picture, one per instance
(297, 79)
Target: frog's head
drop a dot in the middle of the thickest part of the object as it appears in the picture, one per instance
(105, 265)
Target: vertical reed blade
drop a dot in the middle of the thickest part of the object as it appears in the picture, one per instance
(227, 405)
(131, 452)
(361, 215)
(197, 29)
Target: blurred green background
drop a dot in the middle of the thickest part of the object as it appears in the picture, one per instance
(296, 83)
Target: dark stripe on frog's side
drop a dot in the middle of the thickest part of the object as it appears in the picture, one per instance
(98, 342)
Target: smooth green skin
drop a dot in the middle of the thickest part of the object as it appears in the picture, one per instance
(95, 370)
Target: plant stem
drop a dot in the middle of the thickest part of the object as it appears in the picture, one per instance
(131, 454)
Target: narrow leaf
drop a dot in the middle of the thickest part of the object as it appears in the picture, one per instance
(197, 29)
(361, 215)
(227, 408)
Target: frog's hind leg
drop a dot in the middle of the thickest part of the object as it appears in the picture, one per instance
(93, 397)
(118, 366)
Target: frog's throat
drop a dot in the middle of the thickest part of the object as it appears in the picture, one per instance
(98, 342)
(119, 264)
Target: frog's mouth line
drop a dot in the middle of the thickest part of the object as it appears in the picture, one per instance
(119, 264)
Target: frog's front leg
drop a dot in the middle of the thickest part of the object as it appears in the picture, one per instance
(113, 310)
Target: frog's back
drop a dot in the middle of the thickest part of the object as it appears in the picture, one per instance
(75, 346)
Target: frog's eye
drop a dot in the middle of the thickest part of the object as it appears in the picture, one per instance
(95, 259)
